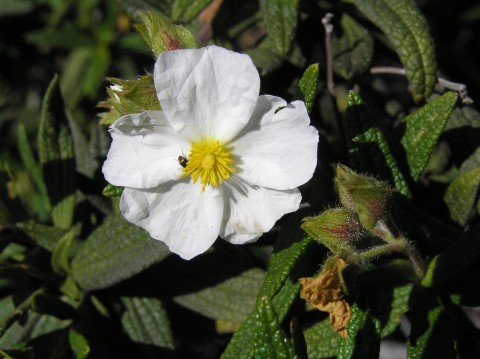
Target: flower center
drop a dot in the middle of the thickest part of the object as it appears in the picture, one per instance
(208, 162)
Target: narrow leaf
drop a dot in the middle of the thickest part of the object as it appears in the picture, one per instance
(322, 340)
(352, 48)
(368, 151)
(45, 236)
(61, 253)
(79, 344)
(242, 343)
(56, 156)
(407, 30)
(146, 322)
(280, 17)
(115, 251)
(363, 339)
(270, 340)
(281, 263)
(30, 163)
(449, 265)
(461, 195)
(308, 85)
(424, 127)
(186, 10)
(431, 335)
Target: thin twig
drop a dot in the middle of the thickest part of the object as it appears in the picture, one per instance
(328, 51)
(449, 85)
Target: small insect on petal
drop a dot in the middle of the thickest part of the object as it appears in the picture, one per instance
(183, 161)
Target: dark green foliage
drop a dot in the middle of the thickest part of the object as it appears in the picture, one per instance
(79, 281)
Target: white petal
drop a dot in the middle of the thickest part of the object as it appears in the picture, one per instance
(206, 92)
(277, 150)
(178, 214)
(144, 151)
(252, 210)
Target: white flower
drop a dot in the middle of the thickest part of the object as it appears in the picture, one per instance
(218, 160)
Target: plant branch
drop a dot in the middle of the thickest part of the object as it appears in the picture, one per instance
(328, 51)
(449, 85)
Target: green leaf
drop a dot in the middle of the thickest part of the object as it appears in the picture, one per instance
(45, 236)
(280, 18)
(282, 261)
(16, 7)
(57, 157)
(161, 34)
(308, 85)
(431, 335)
(73, 75)
(145, 321)
(265, 60)
(407, 30)
(322, 340)
(61, 253)
(298, 339)
(30, 163)
(424, 127)
(352, 48)
(398, 306)
(242, 343)
(96, 71)
(363, 339)
(79, 344)
(186, 10)
(115, 251)
(375, 136)
(368, 151)
(231, 300)
(270, 340)
(44, 303)
(461, 195)
(448, 266)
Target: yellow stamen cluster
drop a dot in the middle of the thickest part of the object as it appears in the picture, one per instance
(208, 162)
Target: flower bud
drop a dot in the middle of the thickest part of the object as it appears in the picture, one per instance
(129, 96)
(365, 195)
(335, 228)
(161, 34)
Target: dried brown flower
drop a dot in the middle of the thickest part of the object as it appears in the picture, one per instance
(327, 293)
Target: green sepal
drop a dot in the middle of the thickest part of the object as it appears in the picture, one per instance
(308, 85)
(424, 127)
(352, 51)
(55, 150)
(128, 97)
(407, 30)
(160, 34)
(366, 196)
(112, 191)
(335, 228)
